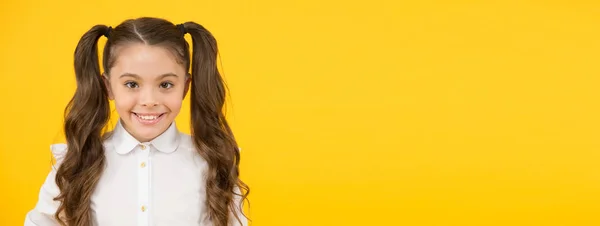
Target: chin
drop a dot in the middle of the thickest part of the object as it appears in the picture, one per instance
(145, 133)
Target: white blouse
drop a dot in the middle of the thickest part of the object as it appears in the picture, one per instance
(156, 183)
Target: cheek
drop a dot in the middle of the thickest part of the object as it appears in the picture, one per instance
(124, 100)
(173, 102)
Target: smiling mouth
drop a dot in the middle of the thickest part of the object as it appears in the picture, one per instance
(149, 118)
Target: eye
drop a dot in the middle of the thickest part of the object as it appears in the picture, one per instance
(166, 85)
(131, 85)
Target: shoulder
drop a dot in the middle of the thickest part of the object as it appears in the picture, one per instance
(186, 142)
(187, 149)
(59, 150)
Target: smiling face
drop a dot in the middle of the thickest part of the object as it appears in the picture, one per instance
(148, 86)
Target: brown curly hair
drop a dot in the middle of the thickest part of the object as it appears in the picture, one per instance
(88, 113)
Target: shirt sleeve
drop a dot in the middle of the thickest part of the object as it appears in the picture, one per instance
(238, 211)
(44, 210)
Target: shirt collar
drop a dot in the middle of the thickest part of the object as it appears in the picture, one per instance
(166, 142)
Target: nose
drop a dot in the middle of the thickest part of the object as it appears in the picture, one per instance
(148, 97)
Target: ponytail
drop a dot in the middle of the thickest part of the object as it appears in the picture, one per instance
(211, 133)
(85, 116)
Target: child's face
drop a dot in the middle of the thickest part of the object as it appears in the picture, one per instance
(148, 86)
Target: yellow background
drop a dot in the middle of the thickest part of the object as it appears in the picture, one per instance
(355, 112)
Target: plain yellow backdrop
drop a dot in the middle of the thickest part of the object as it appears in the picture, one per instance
(355, 112)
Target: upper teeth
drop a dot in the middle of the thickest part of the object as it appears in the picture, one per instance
(148, 117)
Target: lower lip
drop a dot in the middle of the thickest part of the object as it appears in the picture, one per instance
(148, 122)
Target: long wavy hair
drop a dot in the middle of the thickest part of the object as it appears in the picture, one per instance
(88, 113)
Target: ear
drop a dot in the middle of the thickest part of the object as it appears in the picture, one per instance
(107, 85)
(188, 79)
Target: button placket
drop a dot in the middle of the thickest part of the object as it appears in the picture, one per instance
(143, 169)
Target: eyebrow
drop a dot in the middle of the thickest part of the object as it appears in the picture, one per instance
(138, 77)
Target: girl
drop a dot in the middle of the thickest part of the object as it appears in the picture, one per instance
(144, 172)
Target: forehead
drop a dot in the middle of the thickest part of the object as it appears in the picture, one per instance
(145, 61)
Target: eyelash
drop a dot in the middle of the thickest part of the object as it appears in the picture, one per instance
(170, 85)
(133, 85)
(130, 84)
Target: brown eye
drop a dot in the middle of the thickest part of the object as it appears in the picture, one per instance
(131, 85)
(166, 85)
